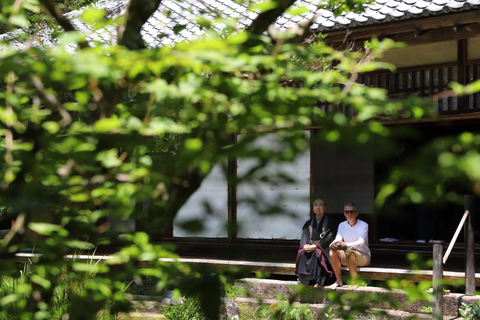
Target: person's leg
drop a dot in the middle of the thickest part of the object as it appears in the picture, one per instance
(304, 279)
(356, 259)
(351, 258)
(335, 258)
(363, 259)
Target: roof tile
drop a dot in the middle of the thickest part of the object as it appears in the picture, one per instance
(182, 12)
(434, 7)
(351, 15)
(396, 14)
(362, 18)
(328, 23)
(422, 4)
(393, 3)
(344, 21)
(378, 16)
(403, 7)
(415, 11)
(455, 4)
(385, 10)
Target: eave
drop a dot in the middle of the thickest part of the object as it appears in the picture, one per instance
(414, 31)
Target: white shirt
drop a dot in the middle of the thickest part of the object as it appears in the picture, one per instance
(356, 237)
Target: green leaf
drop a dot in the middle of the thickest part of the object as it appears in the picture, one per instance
(19, 21)
(89, 267)
(45, 283)
(107, 124)
(44, 228)
(82, 97)
(296, 11)
(32, 5)
(193, 144)
(264, 6)
(179, 27)
(92, 15)
(109, 158)
(51, 127)
(238, 38)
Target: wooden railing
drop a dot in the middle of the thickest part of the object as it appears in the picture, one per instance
(427, 81)
(438, 262)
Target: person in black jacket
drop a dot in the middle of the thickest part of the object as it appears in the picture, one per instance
(313, 263)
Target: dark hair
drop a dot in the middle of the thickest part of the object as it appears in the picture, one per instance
(350, 204)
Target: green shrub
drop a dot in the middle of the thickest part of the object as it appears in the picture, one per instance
(188, 310)
(470, 311)
(285, 311)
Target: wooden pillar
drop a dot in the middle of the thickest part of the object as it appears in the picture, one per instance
(462, 73)
(232, 196)
(469, 247)
(437, 279)
(313, 133)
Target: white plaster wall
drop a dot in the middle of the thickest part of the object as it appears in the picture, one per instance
(291, 199)
(418, 55)
(214, 191)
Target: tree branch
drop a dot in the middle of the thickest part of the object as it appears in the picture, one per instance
(57, 14)
(265, 19)
(138, 13)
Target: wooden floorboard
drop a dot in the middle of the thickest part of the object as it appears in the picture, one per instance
(367, 273)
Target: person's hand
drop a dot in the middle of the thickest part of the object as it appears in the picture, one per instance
(339, 245)
(310, 248)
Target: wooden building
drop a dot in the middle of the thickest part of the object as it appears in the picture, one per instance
(443, 41)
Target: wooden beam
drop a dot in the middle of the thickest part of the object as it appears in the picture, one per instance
(385, 29)
(434, 35)
(367, 273)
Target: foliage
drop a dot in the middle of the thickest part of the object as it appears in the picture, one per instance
(428, 309)
(14, 294)
(470, 310)
(29, 18)
(188, 309)
(329, 314)
(97, 135)
(285, 310)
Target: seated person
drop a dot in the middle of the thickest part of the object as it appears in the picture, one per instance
(312, 260)
(350, 247)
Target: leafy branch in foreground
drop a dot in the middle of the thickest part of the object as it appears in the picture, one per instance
(96, 135)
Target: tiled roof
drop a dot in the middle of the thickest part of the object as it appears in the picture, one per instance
(158, 29)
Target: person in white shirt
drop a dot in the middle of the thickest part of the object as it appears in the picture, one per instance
(350, 246)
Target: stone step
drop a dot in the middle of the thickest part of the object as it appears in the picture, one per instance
(255, 292)
(147, 307)
(140, 316)
(283, 290)
(320, 311)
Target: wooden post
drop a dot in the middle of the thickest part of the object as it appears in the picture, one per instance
(462, 73)
(437, 279)
(469, 247)
(232, 196)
